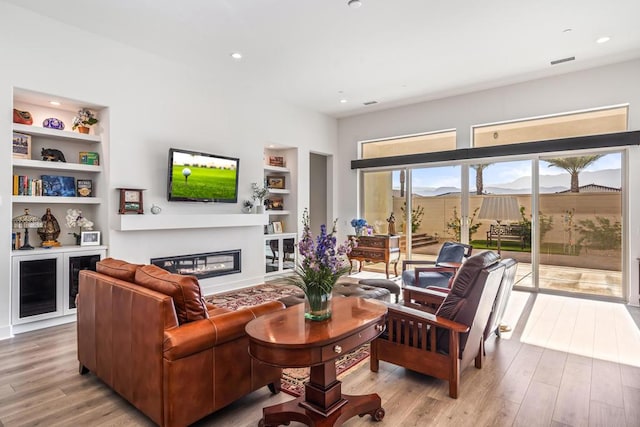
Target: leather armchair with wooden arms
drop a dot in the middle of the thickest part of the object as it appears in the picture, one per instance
(443, 343)
(434, 274)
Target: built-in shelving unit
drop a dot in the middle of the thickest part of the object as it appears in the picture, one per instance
(56, 281)
(285, 198)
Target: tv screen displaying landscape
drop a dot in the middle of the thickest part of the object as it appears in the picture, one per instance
(202, 177)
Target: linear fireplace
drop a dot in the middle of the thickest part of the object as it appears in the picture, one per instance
(210, 264)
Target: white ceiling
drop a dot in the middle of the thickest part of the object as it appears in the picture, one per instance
(313, 53)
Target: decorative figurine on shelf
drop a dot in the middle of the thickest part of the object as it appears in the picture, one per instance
(53, 123)
(392, 224)
(49, 231)
(22, 117)
(52, 155)
(83, 120)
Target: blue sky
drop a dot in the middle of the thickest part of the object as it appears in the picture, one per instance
(497, 173)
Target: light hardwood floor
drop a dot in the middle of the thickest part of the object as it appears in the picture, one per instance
(550, 371)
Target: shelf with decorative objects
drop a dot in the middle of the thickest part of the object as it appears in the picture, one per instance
(56, 134)
(56, 170)
(280, 180)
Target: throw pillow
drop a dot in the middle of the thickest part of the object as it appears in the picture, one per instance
(185, 291)
(117, 268)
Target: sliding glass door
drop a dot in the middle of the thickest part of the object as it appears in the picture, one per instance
(580, 224)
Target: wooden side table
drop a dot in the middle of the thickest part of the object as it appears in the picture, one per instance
(377, 249)
(285, 339)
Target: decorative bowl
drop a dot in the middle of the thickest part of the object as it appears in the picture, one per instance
(53, 123)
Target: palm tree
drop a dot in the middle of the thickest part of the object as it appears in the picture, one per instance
(574, 165)
(479, 178)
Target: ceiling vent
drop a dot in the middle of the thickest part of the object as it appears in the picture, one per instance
(560, 61)
(370, 103)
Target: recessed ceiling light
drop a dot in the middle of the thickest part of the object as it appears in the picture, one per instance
(54, 103)
(603, 39)
(236, 55)
(354, 4)
(343, 101)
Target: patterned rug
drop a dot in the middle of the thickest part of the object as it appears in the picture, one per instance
(293, 379)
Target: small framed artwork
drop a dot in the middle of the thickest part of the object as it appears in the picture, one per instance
(90, 238)
(275, 182)
(276, 161)
(277, 227)
(21, 146)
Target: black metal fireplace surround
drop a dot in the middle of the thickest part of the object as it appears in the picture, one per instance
(210, 264)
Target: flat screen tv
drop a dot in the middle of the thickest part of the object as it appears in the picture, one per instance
(202, 177)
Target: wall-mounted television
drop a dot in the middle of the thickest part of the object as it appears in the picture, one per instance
(202, 177)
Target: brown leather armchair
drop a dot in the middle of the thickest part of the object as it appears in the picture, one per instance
(443, 343)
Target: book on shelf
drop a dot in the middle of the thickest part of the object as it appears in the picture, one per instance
(84, 188)
(25, 186)
(60, 186)
(89, 158)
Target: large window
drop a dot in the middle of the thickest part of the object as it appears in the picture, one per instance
(567, 231)
(411, 144)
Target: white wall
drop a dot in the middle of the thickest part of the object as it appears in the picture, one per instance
(610, 85)
(153, 105)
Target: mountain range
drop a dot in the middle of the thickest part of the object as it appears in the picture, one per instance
(548, 184)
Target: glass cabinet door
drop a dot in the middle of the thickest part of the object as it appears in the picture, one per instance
(38, 287)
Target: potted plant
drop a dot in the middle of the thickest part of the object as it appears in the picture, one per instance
(247, 206)
(259, 193)
(75, 219)
(83, 120)
(323, 262)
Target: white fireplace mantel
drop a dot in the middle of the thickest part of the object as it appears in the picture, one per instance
(178, 222)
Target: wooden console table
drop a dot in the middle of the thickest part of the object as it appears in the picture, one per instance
(377, 249)
(285, 339)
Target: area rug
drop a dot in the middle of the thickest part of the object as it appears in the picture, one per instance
(293, 379)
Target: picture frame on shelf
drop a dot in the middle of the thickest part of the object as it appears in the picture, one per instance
(21, 146)
(274, 203)
(276, 161)
(90, 238)
(268, 229)
(275, 182)
(277, 227)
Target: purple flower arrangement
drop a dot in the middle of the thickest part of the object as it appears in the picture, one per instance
(323, 261)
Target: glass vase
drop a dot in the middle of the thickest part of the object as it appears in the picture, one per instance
(317, 304)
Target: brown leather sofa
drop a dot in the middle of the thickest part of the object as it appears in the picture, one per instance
(150, 336)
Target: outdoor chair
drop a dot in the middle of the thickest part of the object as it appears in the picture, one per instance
(443, 343)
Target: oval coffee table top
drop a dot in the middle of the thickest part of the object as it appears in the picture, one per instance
(289, 328)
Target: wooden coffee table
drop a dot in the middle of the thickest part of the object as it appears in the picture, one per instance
(285, 339)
